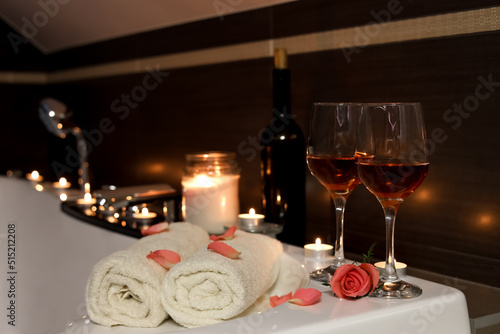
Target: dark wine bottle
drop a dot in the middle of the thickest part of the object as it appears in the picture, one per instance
(283, 164)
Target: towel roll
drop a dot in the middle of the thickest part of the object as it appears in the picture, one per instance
(209, 288)
(124, 288)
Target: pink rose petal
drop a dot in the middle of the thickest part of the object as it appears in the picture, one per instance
(372, 272)
(156, 228)
(165, 258)
(305, 297)
(228, 235)
(277, 300)
(223, 249)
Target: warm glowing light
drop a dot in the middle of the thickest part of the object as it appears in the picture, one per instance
(63, 197)
(87, 197)
(116, 215)
(35, 175)
(203, 181)
(63, 182)
(223, 202)
(52, 113)
(423, 194)
(485, 220)
(145, 214)
(59, 126)
(278, 199)
(318, 249)
(87, 187)
(39, 187)
(252, 212)
(318, 243)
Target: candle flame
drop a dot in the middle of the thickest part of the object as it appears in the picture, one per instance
(63, 197)
(87, 197)
(204, 181)
(63, 182)
(145, 211)
(318, 242)
(35, 174)
(252, 211)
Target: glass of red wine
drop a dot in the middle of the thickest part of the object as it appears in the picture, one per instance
(331, 148)
(392, 162)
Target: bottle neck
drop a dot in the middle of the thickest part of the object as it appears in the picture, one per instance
(281, 92)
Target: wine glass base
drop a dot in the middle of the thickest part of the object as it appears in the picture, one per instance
(323, 275)
(399, 289)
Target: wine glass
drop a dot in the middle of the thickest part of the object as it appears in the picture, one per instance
(331, 148)
(392, 163)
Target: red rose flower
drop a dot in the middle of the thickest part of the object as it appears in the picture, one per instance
(351, 281)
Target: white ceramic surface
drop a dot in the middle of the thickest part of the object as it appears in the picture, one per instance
(55, 253)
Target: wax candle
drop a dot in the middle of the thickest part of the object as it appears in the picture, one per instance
(250, 220)
(87, 200)
(145, 216)
(400, 267)
(34, 176)
(61, 187)
(62, 184)
(318, 250)
(211, 201)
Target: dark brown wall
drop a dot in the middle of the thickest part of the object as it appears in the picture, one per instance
(451, 225)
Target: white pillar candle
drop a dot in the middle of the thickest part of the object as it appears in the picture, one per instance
(211, 201)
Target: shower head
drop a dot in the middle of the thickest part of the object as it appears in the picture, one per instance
(56, 117)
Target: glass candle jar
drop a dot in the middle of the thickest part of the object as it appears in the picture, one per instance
(210, 190)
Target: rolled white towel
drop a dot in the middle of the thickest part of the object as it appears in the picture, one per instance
(209, 288)
(124, 288)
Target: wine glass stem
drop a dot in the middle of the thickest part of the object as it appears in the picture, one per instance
(339, 202)
(390, 274)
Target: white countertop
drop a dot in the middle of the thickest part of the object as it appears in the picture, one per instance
(54, 254)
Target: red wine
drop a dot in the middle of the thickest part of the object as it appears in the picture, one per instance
(338, 174)
(392, 181)
(283, 164)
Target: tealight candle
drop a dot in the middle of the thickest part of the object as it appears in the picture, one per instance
(87, 200)
(400, 267)
(318, 250)
(250, 220)
(145, 216)
(62, 184)
(34, 176)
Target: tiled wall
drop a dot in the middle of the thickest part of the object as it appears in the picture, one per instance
(207, 86)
